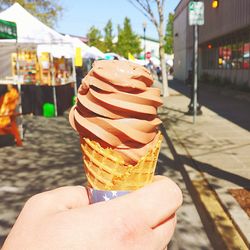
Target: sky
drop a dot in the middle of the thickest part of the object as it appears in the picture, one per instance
(80, 15)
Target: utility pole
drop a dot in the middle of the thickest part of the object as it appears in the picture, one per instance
(195, 70)
(144, 34)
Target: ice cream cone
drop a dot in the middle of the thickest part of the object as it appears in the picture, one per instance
(106, 169)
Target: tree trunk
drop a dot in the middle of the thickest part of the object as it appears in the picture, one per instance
(164, 70)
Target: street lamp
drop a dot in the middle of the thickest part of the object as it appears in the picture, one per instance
(144, 24)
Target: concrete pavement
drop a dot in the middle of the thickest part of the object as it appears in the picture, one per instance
(214, 156)
(190, 233)
(51, 157)
(205, 159)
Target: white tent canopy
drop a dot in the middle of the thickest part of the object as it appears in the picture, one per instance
(57, 51)
(30, 31)
(87, 52)
(95, 53)
(29, 28)
(68, 50)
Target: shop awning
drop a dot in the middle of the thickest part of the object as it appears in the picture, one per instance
(7, 30)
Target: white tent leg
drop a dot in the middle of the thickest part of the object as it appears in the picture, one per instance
(55, 100)
(20, 110)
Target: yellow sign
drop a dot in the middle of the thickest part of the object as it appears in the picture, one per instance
(45, 56)
(130, 57)
(78, 57)
(45, 60)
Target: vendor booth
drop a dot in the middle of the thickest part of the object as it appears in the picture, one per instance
(42, 78)
(82, 54)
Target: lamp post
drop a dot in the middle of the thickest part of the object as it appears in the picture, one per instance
(144, 34)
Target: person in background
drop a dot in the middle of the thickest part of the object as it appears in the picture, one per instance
(150, 67)
(79, 76)
(159, 73)
(64, 219)
(3, 91)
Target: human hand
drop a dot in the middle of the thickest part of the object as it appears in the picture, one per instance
(63, 219)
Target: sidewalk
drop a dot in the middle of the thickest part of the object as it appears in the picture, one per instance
(51, 157)
(214, 157)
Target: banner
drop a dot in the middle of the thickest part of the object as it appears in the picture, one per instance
(78, 57)
(7, 30)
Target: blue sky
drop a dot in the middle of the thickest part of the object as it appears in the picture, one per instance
(80, 15)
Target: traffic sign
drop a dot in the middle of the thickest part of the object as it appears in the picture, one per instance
(148, 55)
(196, 13)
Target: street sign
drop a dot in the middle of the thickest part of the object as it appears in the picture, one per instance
(196, 13)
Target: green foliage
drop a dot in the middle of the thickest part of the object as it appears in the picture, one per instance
(128, 41)
(46, 11)
(95, 38)
(108, 37)
(169, 37)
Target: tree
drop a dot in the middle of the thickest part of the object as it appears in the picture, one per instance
(95, 38)
(47, 11)
(169, 37)
(147, 7)
(128, 41)
(108, 37)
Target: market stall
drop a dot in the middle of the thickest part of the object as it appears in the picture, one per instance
(21, 65)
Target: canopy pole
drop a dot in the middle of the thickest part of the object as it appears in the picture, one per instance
(74, 71)
(20, 110)
(53, 84)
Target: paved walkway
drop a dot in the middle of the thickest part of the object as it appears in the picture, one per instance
(190, 233)
(206, 159)
(214, 156)
(51, 157)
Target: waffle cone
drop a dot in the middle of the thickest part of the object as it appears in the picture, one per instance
(106, 170)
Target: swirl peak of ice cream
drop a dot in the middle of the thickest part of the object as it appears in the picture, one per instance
(117, 107)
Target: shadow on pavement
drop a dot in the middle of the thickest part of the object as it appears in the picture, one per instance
(221, 101)
(49, 158)
(177, 164)
(200, 166)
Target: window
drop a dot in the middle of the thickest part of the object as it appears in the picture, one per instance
(246, 52)
(231, 53)
(225, 57)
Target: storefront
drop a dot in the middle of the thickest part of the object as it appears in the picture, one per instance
(224, 43)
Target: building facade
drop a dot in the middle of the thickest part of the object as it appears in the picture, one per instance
(151, 45)
(224, 42)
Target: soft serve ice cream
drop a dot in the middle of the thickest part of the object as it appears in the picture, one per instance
(117, 107)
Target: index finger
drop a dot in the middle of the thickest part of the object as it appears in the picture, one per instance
(59, 199)
(153, 203)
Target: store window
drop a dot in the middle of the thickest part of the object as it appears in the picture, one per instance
(231, 53)
(246, 55)
(225, 57)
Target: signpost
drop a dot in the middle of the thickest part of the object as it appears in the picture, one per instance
(196, 17)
